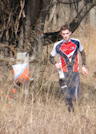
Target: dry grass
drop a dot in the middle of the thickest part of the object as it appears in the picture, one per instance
(46, 112)
(47, 115)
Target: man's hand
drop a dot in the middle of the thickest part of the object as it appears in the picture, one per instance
(84, 70)
(58, 65)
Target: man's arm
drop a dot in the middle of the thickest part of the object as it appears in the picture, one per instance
(51, 58)
(83, 58)
(57, 65)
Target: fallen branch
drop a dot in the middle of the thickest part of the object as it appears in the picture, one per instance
(11, 48)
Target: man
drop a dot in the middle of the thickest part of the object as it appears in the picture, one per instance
(67, 50)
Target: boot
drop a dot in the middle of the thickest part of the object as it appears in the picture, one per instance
(70, 105)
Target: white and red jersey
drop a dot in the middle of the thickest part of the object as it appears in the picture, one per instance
(68, 53)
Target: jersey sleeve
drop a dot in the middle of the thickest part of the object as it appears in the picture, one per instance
(53, 52)
(80, 47)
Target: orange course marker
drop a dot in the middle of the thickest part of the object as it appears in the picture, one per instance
(21, 72)
(8, 97)
(8, 106)
(14, 90)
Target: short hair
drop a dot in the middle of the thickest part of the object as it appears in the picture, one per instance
(65, 27)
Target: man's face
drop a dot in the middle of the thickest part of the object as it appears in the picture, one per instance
(65, 34)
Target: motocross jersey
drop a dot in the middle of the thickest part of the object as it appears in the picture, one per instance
(68, 53)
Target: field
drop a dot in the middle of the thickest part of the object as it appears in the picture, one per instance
(44, 112)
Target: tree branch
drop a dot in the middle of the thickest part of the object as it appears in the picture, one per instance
(77, 20)
(60, 1)
(52, 14)
(53, 37)
(16, 26)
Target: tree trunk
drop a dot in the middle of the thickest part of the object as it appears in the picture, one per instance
(37, 55)
(34, 38)
(21, 39)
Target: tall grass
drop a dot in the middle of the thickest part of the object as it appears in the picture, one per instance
(45, 113)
